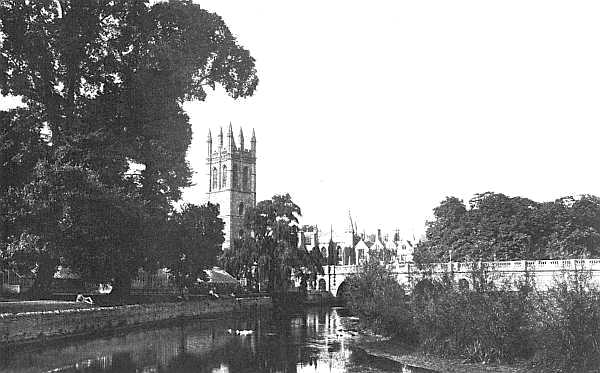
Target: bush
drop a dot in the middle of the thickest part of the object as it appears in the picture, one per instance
(567, 324)
(558, 328)
(479, 326)
(379, 301)
(483, 324)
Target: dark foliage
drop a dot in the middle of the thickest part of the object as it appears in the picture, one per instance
(92, 166)
(269, 252)
(497, 227)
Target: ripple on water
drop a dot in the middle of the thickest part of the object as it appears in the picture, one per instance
(310, 341)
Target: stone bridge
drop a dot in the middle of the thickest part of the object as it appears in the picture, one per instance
(544, 273)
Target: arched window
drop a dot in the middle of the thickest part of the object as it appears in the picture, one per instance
(241, 233)
(241, 208)
(224, 177)
(245, 179)
(234, 176)
(214, 178)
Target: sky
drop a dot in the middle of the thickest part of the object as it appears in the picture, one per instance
(384, 108)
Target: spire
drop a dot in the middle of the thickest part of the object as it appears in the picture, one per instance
(230, 140)
(241, 139)
(253, 141)
(209, 142)
(221, 137)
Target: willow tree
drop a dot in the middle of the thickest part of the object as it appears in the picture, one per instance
(271, 246)
(107, 79)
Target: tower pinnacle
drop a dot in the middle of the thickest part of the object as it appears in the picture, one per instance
(241, 139)
(230, 140)
(231, 182)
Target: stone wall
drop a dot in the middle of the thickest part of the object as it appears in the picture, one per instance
(38, 326)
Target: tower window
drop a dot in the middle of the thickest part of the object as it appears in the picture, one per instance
(234, 176)
(241, 208)
(214, 178)
(245, 178)
(224, 177)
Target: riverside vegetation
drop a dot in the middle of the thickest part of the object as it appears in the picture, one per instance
(553, 330)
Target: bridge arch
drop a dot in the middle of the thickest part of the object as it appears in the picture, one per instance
(424, 287)
(464, 284)
(343, 291)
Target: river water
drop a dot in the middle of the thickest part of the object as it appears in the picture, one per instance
(315, 340)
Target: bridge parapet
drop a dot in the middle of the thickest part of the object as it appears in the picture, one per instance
(544, 271)
(519, 265)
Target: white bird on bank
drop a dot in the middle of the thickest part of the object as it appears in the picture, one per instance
(240, 332)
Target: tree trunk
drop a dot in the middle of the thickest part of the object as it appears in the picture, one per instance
(42, 285)
(122, 286)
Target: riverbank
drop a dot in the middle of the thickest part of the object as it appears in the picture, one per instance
(389, 349)
(42, 326)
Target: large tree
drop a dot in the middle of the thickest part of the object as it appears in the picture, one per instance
(498, 227)
(106, 81)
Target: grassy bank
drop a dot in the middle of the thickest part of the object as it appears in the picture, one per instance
(555, 330)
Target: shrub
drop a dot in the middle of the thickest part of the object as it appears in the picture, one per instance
(567, 324)
(380, 302)
(479, 326)
(559, 328)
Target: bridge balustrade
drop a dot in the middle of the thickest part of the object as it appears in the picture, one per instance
(544, 271)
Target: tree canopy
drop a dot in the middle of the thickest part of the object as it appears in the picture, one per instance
(498, 227)
(272, 245)
(195, 236)
(94, 163)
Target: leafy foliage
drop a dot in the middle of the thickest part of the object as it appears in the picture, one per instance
(567, 317)
(512, 228)
(105, 81)
(485, 324)
(379, 301)
(195, 239)
(272, 245)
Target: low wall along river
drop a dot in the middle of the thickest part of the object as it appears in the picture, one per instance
(37, 326)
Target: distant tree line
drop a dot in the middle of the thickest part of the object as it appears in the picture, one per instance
(498, 227)
(92, 166)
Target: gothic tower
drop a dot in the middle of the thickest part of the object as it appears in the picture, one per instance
(232, 180)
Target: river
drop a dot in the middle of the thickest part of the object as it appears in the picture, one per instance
(314, 340)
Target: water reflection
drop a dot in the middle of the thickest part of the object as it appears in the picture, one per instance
(317, 340)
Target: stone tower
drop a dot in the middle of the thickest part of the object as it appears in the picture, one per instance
(232, 180)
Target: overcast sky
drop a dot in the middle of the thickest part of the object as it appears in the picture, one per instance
(386, 107)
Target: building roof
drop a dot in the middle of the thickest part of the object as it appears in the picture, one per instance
(65, 273)
(217, 275)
